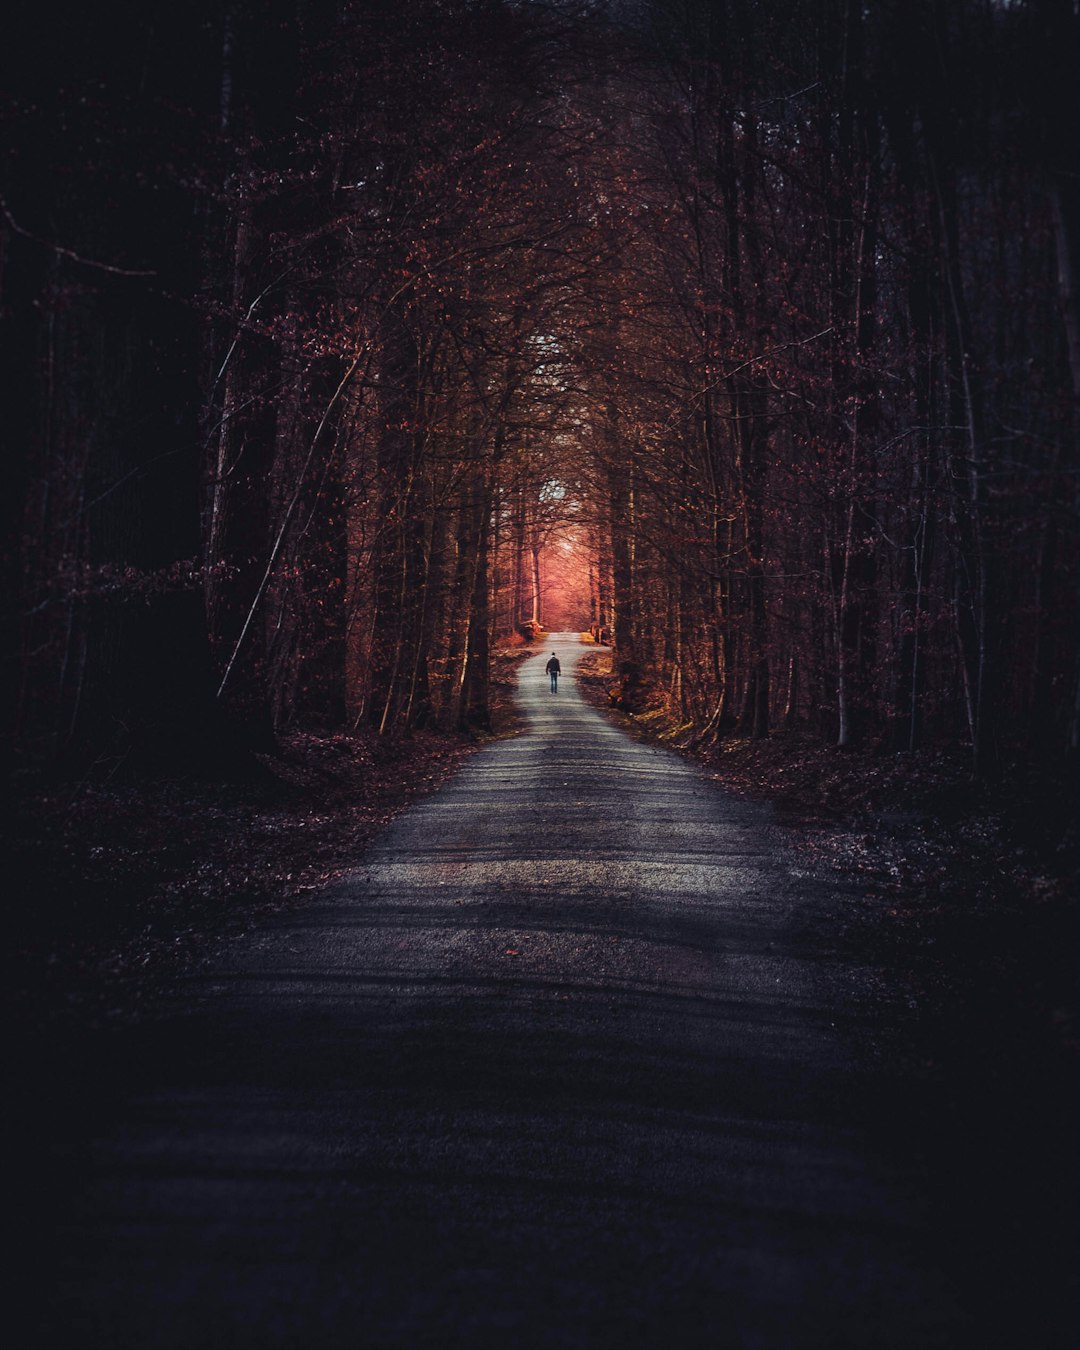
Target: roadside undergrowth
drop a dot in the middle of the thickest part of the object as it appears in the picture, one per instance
(965, 886)
(119, 886)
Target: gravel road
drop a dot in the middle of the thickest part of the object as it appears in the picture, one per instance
(555, 1067)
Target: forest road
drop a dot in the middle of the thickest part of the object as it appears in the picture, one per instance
(554, 1067)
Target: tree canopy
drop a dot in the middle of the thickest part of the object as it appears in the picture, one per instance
(348, 340)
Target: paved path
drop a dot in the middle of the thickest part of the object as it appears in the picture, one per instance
(551, 1069)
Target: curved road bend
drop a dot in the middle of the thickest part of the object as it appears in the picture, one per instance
(548, 1070)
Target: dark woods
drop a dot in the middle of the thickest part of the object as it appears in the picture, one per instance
(333, 331)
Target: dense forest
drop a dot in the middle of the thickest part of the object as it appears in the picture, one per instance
(344, 340)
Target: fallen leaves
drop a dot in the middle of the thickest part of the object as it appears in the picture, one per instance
(119, 886)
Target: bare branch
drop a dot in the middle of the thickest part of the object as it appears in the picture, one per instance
(70, 253)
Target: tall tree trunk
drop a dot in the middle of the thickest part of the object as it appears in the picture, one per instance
(475, 702)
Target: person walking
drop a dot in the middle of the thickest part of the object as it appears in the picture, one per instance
(553, 669)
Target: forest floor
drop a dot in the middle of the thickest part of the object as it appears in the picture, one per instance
(971, 893)
(965, 902)
(117, 886)
(960, 908)
(960, 905)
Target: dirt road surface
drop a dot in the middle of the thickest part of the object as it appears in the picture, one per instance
(555, 1067)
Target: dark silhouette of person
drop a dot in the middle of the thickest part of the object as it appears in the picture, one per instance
(553, 669)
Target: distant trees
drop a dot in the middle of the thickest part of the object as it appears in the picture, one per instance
(107, 141)
(851, 395)
(399, 324)
(334, 338)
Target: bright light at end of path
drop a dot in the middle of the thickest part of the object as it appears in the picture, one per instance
(566, 584)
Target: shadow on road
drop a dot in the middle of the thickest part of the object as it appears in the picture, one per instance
(553, 1068)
